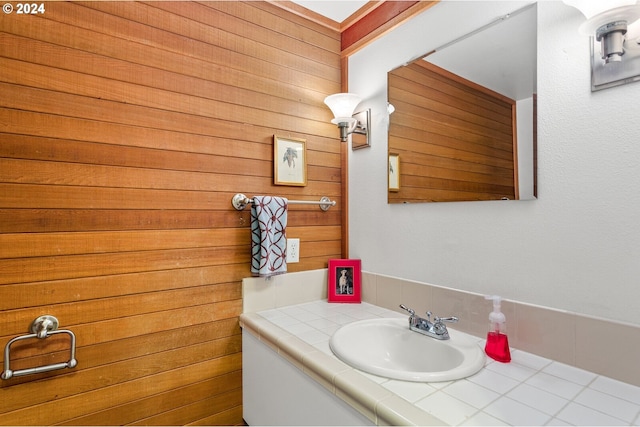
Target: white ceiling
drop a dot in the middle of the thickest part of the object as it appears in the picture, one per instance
(338, 10)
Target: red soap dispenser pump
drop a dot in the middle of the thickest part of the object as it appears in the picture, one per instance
(497, 346)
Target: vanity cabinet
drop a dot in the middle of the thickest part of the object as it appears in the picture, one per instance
(275, 392)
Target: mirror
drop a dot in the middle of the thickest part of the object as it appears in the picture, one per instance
(464, 125)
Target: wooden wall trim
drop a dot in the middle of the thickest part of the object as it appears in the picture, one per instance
(360, 14)
(377, 17)
(344, 161)
(380, 21)
(371, 21)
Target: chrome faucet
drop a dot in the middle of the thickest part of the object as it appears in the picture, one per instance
(437, 329)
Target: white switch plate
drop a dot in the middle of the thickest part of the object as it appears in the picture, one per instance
(293, 250)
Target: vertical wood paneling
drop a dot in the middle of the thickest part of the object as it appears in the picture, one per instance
(126, 129)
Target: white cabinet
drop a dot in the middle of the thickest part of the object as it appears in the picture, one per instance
(275, 392)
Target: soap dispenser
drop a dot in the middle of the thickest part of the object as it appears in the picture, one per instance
(497, 346)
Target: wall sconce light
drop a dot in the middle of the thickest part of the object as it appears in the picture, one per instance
(608, 20)
(608, 24)
(342, 106)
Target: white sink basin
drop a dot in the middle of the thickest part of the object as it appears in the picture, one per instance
(388, 348)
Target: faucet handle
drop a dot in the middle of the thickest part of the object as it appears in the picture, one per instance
(451, 319)
(410, 310)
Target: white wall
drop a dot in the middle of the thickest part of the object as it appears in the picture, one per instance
(577, 247)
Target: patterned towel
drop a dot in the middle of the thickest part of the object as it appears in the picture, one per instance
(268, 236)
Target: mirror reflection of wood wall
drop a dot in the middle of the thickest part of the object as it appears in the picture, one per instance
(456, 138)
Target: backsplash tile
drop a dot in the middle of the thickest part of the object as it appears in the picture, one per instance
(388, 293)
(598, 341)
(547, 332)
(418, 297)
(472, 311)
(283, 290)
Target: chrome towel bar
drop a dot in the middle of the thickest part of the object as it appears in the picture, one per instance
(240, 201)
(41, 328)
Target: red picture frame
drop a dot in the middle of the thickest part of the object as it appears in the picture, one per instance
(345, 281)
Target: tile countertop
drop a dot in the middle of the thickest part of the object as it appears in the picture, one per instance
(530, 390)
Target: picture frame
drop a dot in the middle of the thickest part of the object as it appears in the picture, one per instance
(394, 172)
(344, 281)
(289, 161)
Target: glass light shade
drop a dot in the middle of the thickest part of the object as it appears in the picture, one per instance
(390, 108)
(342, 106)
(600, 12)
(590, 8)
(633, 31)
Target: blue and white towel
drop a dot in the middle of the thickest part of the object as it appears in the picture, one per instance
(268, 236)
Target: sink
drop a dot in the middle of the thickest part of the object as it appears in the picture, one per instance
(388, 348)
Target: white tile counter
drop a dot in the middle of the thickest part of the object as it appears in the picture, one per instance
(528, 391)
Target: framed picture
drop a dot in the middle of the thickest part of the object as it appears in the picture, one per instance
(289, 161)
(394, 172)
(345, 280)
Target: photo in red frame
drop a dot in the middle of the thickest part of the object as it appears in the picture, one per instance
(345, 281)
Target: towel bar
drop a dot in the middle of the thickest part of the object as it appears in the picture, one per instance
(240, 201)
(41, 328)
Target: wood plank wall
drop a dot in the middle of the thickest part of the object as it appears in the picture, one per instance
(125, 129)
(455, 139)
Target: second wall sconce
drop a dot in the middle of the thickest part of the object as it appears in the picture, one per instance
(608, 23)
